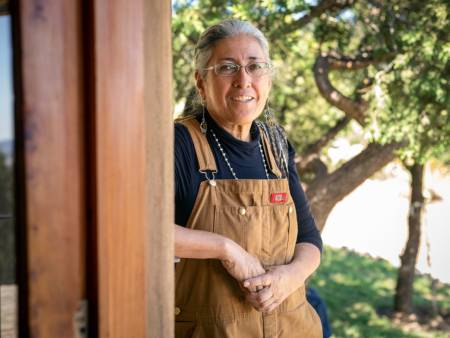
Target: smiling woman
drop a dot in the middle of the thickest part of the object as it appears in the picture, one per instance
(235, 97)
(244, 230)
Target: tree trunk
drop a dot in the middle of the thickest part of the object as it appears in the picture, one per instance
(405, 278)
(324, 193)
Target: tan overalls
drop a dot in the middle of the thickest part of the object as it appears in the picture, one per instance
(208, 301)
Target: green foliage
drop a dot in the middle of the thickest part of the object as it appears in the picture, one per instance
(410, 97)
(294, 97)
(357, 289)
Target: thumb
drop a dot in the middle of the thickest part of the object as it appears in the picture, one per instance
(263, 280)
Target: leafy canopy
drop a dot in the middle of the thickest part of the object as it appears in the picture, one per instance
(409, 96)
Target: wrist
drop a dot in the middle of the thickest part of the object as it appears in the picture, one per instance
(296, 274)
(226, 249)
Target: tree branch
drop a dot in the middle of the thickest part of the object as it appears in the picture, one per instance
(324, 193)
(316, 11)
(342, 62)
(312, 150)
(324, 62)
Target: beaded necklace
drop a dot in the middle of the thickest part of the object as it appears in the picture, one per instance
(228, 162)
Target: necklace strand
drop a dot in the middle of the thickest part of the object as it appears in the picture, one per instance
(228, 162)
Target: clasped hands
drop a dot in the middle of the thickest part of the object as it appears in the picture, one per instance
(264, 289)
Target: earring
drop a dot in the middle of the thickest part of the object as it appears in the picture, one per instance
(269, 116)
(203, 125)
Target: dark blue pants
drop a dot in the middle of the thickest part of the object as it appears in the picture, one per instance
(318, 304)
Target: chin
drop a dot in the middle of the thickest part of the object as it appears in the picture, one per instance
(243, 116)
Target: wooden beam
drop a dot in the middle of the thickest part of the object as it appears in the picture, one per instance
(49, 136)
(159, 130)
(134, 160)
(122, 207)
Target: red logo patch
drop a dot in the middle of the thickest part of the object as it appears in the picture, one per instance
(278, 197)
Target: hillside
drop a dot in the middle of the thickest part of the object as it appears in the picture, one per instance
(359, 291)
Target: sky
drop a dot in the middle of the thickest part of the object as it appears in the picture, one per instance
(6, 88)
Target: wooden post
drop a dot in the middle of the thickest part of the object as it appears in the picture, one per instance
(112, 89)
(133, 136)
(159, 151)
(120, 167)
(50, 166)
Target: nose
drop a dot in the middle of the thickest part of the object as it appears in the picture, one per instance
(242, 79)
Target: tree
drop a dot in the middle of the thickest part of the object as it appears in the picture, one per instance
(338, 64)
(406, 272)
(416, 110)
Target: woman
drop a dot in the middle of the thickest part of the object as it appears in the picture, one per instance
(244, 232)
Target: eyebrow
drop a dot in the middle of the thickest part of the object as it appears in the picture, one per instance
(252, 58)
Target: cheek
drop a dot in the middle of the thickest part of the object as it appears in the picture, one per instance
(264, 88)
(220, 93)
(264, 93)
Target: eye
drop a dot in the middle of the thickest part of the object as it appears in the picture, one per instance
(226, 68)
(258, 68)
(252, 67)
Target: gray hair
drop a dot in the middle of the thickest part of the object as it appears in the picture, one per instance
(222, 30)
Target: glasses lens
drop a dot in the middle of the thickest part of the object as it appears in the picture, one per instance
(258, 68)
(226, 68)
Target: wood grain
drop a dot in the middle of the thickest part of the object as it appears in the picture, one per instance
(50, 109)
(159, 132)
(120, 167)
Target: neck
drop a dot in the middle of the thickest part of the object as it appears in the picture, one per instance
(239, 131)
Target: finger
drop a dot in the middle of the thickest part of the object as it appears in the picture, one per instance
(263, 280)
(251, 299)
(266, 306)
(258, 297)
(268, 302)
(264, 295)
(247, 290)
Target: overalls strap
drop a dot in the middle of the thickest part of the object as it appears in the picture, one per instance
(206, 161)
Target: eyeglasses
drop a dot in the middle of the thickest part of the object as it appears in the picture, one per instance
(255, 69)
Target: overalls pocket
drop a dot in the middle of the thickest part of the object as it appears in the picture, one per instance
(297, 317)
(244, 225)
(279, 242)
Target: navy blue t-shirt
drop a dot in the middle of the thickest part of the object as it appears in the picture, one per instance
(246, 160)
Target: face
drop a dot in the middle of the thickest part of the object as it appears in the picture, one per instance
(238, 99)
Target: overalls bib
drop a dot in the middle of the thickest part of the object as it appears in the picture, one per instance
(208, 301)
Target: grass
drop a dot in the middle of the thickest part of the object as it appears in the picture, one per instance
(358, 289)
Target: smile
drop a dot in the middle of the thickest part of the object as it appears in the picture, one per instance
(242, 98)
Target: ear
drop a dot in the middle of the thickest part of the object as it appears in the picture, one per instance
(200, 84)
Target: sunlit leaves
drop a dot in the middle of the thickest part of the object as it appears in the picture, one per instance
(409, 98)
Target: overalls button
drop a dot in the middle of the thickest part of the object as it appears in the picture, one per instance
(291, 209)
(212, 183)
(177, 311)
(242, 211)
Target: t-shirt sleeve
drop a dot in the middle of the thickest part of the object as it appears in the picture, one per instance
(185, 167)
(307, 229)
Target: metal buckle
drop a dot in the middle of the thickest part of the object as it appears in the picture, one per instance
(211, 181)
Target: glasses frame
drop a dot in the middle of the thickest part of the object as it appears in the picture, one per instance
(239, 66)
